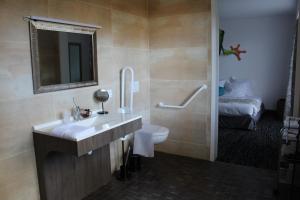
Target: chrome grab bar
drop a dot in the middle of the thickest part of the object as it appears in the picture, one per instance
(162, 105)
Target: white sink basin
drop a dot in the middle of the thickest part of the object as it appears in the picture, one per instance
(99, 123)
(88, 122)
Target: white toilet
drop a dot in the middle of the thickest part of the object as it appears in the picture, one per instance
(159, 133)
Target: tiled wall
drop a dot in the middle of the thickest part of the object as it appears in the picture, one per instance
(180, 61)
(123, 41)
(177, 61)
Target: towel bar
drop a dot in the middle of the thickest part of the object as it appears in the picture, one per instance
(162, 105)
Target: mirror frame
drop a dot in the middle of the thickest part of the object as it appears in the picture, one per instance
(34, 26)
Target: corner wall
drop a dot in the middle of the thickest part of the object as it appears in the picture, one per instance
(180, 61)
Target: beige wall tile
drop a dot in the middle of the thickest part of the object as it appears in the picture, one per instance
(189, 30)
(21, 62)
(129, 31)
(189, 134)
(13, 168)
(179, 64)
(135, 7)
(101, 16)
(18, 177)
(24, 112)
(184, 149)
(142, 98)
(15, 70)
(13, 27)
(179, 41)
(103, 3)
(24, 189)
(17, 119)
(16, 87)
(84, 13)
(15, 140)
(64, 9)
(184, 126)
(158, 8)
(107, 73)
(136, 58)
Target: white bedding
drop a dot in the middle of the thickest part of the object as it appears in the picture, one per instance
(233, 106)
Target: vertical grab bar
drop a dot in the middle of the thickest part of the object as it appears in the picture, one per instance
(123, 76)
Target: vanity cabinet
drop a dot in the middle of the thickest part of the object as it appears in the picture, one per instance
(71, 170)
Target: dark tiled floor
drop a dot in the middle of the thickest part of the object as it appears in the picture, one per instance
(168, 177)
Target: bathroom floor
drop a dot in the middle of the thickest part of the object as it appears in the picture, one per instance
(169, 177)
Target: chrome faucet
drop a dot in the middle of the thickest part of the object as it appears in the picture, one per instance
(76, 111)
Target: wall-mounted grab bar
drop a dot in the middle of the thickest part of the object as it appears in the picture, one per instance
(162, 105)
(123, 108)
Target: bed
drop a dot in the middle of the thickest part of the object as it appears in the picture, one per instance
(240, 113)
(238, 107)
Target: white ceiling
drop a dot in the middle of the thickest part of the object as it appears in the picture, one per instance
(255, 8)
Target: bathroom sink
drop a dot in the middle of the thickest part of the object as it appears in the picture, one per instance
(99, 123)
(88, 122)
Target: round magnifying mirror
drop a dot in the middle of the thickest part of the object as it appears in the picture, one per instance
(101, 96)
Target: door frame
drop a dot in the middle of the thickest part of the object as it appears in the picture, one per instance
(214, 119)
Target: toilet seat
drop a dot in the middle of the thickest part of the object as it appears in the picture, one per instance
(159, 133)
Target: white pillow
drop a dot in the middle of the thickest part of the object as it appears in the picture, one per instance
(222, 83)
(238, 88)
(232, 79)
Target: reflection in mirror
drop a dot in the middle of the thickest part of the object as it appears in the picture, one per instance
(62, 59)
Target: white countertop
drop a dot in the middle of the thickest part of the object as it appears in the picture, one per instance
(101, 123)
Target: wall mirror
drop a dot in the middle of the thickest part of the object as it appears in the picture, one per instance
(63, 56)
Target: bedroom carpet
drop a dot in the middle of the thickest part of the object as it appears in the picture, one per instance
(257, 148)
